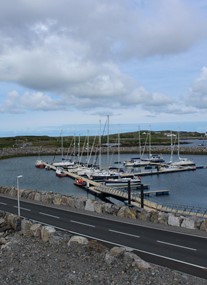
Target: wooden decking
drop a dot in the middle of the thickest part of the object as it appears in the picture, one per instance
(98, 188)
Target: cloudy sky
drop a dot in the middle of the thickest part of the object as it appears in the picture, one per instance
(71, 62)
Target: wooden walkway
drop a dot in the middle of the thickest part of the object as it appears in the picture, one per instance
(99, 189)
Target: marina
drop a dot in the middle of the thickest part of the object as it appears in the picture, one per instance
(127, 191)
(186, 188)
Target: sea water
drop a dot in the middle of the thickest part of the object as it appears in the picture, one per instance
(187, 188)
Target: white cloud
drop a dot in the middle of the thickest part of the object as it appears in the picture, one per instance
(198, 92)
(16, 103)
(70, 54)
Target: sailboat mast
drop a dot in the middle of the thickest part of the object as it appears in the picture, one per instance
(171, 146)
(107, 139)
(178, 145)
(140, 149)
(100, 146)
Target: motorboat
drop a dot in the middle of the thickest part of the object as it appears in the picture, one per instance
(40, 163)
(64, 163)
(136, 162)
(123, 182)
(80, 182)
(60, 172)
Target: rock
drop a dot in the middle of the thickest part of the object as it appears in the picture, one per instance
(47, 232)
(108, 208)
(47, 198)
(127, 212)
(57, 199)
(162, 218)
(174, 221)
(68, 201)
(144, 215)
(188, 223)
(37, 196)
(12, 192)
(141, 264)
(89, 206)
(78, 239)
(154, 216)
(36, 230)
(2, 222)
(136, 261)
(25, 227)
(80, 203)
(14, 221)
(2, 241)
(203, 226)
(94, 245)
(117, 251)
(98, 207)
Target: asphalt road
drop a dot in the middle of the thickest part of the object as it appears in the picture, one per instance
(179, 251)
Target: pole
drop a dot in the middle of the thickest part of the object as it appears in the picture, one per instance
(142, 196)
(129, 192)
(18, 198)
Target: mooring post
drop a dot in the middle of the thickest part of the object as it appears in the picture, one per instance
(129, 192)
(142, 196)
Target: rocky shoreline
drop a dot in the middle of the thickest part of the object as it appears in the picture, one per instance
(37, 151)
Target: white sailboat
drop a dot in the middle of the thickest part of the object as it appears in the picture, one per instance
(182, 161)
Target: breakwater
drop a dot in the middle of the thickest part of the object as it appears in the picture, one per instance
(178, 219)
(37, 151)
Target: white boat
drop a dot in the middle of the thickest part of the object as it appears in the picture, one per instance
(40, 164)
(156, 158)
(122, 182)
(101, 175)
(183, 162)
(60, 172)
(64, 163)
(136, 162)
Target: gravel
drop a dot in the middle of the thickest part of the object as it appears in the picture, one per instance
(28, 260)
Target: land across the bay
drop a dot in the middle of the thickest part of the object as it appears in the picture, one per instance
(158, 149)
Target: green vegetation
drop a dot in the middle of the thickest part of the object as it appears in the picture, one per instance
(125, 139)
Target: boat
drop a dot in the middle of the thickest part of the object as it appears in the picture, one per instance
(182, 161)
(64, 163)
(80, 182)
(136, 162)
(60, 172)
(102, 175)
(40, 163)
(123, 182)
(156, 158)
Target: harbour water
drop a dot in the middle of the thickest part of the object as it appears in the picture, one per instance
(188, 188)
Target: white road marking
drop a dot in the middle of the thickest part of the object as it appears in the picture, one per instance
(88, 225)
(3, 203)
(45, 214)
(21, 208)
(122, 233)
(176, 245)
(131, 248)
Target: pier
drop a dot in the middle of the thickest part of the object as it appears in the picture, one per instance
(103, 191)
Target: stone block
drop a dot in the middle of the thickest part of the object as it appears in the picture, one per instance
(174, 221)
(47, 232)
(78, 239)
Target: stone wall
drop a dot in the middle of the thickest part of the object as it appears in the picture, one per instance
(82, 203)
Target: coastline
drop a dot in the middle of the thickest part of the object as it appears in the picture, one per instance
(37, 151)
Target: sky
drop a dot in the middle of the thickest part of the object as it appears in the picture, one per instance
(68, 63)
